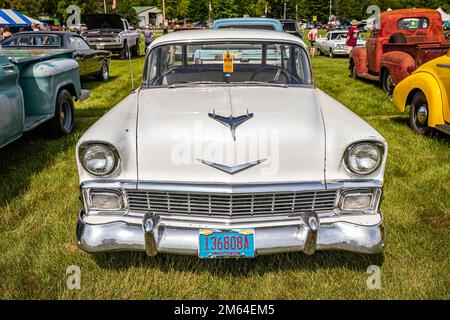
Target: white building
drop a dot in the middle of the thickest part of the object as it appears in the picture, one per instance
(149, 15)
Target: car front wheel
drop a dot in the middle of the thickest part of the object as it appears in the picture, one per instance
(103, 74)
(387, 82)
(418, 114)
(62, 123)
(331, 54)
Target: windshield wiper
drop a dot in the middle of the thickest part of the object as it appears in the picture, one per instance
(269, 84)
(181, 83)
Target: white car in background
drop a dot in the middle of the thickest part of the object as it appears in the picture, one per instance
(334, 43)
(237, 157)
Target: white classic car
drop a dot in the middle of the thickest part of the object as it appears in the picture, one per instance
(334, 43)
(234, 158)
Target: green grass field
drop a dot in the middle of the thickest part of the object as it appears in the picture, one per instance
(39, 201)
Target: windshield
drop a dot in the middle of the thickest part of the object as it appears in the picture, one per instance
(338, 36)
(222, 63)
(102, 21)
(249, 26)
(289, 26)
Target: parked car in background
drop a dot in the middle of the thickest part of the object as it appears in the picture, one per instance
(404, 40)
(315, 182)
(291, 26)
(92, 62)
(248, 23)
(427, 92)
(334, 43)
(110, 32)
(37, 87)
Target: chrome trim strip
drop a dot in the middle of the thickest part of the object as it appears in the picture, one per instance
(232, 188)
(443, 65)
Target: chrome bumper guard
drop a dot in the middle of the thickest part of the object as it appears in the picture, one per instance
(154, 237)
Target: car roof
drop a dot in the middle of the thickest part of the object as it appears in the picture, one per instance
(227, 34)
(248, 21)
(61, 33)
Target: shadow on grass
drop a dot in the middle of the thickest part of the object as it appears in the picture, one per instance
(29, 155)
(240, 267)
(439, 136)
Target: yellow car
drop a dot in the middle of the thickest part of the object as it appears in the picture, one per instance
(427, 92)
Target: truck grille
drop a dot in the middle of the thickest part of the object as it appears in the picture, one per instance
(230, 204)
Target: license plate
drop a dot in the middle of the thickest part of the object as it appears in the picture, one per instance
(226, 243)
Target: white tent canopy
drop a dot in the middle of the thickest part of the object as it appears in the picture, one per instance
(445, 16)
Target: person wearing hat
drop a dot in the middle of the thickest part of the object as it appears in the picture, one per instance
(352, 37)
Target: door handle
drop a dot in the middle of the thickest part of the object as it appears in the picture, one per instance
(9, 66)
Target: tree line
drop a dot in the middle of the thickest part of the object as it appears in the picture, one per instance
(199, 9)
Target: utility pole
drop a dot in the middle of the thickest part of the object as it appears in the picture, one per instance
(329, 17)
(104, 4)
(284, 15)
(164, 15)
(296, 11)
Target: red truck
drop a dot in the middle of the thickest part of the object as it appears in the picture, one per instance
(401, 41)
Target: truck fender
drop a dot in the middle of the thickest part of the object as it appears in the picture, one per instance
(359, 60)
(398, 63)
(431, 88)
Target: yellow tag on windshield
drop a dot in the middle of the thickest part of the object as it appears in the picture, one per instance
(228, 63)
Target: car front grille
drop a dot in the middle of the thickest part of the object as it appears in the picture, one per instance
(230, 204)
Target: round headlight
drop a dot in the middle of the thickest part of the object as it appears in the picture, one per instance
(99, 159)
(364, 158)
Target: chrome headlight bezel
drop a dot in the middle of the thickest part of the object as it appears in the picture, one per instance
(376, 144)
(88, 194)
(84, 148)
(372, 208)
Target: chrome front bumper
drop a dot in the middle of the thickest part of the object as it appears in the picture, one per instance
(106, 45)
(153, 237)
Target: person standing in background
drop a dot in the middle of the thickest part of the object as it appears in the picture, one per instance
(148, 34)
(6, 33)
(33, 27)
(352, 39)
(1, 33)
(312, 36)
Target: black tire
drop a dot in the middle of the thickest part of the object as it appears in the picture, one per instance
(331, 54)
(418, 115)
(103, 74)
(353, 70)
(62, 122)
(387, 83)
(136, 50)
(124, 52)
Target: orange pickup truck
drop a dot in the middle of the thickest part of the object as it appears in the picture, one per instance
(400, 42)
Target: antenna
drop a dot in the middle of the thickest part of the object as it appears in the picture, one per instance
(131, 68)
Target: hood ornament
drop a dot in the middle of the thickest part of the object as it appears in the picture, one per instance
(231, 122)
(233, 169)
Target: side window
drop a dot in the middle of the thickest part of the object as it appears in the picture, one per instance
(78, 43)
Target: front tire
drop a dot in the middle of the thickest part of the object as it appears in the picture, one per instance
(331, 54)
(124, 53)
(103, 74)
(136, 51)
(62, 122)
(418, 114)
(387, 82)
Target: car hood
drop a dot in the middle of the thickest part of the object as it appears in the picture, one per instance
(180, 140)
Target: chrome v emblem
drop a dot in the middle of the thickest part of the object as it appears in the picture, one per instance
(231, 122)
(233, 169)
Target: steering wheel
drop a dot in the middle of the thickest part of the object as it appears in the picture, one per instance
(280, 71)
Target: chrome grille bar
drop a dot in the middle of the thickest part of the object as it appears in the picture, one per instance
(227, 205)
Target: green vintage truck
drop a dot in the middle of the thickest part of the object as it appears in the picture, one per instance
(37, 87)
